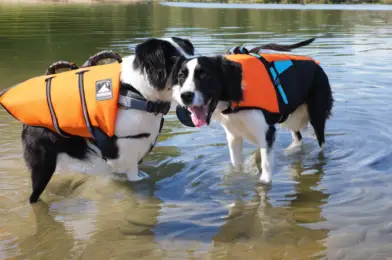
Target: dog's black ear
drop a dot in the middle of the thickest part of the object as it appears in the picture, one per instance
(154, 56)
(232, 78)
(175, 69)
(185, 44)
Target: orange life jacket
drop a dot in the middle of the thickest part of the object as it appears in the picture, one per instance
(259, 90)
(71, 102)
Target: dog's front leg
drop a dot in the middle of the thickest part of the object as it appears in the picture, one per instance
(235, 148)
(264, 137)
(267, 160)
(134, 174)
(130, 151)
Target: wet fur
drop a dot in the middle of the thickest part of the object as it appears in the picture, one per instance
(135, 131)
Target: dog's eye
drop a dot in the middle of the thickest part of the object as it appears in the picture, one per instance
(182, 74)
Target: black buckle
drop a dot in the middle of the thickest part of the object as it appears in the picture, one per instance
(158, 107)
(166, 108)
(150, 107)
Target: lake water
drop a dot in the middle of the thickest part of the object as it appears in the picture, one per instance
(331, 205)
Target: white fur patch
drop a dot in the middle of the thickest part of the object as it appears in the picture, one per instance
(189, 84)
(131, 151)
(298, 120)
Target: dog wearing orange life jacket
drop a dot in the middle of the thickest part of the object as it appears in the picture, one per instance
(110, 112)
(249, 92)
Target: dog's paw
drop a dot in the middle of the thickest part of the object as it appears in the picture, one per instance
(266, 178)
(135, 177)
(294, 147)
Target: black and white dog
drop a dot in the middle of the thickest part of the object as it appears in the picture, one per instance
(136, 131)
(208, 86)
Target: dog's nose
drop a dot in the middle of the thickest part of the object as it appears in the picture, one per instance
(187, 97)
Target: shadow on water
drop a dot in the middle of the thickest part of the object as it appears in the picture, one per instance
(335, 206)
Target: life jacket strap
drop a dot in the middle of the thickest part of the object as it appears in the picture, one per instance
(51, 110)
(153, 144)
(130, 98)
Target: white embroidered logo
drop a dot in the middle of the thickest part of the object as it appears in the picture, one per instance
(104, 89)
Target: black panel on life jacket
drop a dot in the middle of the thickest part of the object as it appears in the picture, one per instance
(295, 81)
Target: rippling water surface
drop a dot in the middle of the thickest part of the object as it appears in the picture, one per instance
(336, 204)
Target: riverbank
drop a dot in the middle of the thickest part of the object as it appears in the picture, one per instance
(289, 1)
(205, 1)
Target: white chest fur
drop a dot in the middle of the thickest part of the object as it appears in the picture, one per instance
(236, 124)
(132, 150)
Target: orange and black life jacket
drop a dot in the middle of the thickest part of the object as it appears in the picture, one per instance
(69, 103)
(81, 102)
(276, 83)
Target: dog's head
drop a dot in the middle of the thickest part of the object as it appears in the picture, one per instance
(149, 68)
(199, 84)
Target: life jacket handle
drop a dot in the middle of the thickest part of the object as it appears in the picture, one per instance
(61, 65)
(238, 50)
(107, 54)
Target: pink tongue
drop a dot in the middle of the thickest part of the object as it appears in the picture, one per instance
(198, 115)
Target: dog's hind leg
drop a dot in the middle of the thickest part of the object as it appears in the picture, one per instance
(41, 172)
(40, 154)
(296, 136)
(296, 121)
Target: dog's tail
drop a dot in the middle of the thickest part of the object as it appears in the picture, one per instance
(282, 47)
(320, 103)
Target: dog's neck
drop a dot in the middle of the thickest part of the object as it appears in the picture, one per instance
(220, 107)
(139, 80)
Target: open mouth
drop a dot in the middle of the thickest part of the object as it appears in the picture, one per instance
(198, 115)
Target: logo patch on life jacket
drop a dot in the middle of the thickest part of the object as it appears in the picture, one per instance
(104, 89)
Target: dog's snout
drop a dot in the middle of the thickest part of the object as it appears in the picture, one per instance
(187, 97)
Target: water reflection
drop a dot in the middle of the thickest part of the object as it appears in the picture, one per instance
(256, 225)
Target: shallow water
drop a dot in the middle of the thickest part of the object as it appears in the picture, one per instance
(336, 204)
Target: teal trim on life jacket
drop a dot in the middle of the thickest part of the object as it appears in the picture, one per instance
(280, 67)
(283, 65)
(273, 73)
(284, 97)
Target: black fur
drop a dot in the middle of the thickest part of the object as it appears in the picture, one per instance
(157, 57)
(139, 136)
(173, 78)
(185, 44)
(298, 135)
(42, 146)
(232, 76)
(320, 102)
(270, 136)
